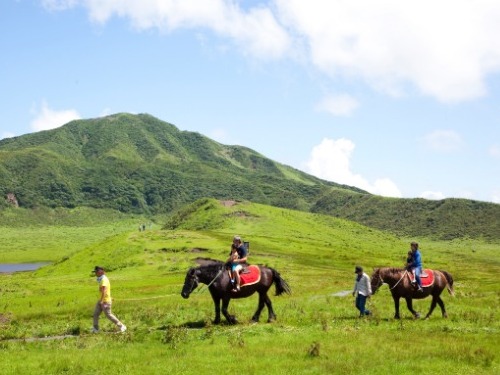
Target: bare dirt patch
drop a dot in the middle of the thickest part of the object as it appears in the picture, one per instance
(4, 319)
(228, 203)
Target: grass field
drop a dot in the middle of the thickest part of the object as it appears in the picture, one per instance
(45, 316)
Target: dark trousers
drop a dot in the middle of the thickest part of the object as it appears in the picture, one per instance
(360, 305)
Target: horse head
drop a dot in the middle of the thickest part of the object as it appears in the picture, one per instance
(190, 283)
(376, 280)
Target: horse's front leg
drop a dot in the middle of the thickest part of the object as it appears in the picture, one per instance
(409, 304)
(225, 304)
(396, 307)
(217, 309)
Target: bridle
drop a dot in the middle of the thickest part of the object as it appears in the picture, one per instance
(194, 280)
(395, 285)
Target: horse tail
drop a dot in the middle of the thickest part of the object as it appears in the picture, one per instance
(449, 284)
(280, 284)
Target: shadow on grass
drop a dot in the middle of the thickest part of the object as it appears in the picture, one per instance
(193, 325)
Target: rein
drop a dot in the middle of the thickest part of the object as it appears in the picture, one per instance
(211, 282)
(395, 285)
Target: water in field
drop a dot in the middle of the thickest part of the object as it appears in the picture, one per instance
(343, 293)
(19, 267)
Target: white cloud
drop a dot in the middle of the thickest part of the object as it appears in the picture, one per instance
(255, 30)
(445, 48)
(221, 136)
(340, 105)
(47, 118)
(433, 195)
(443, 140)
(330, 160)
(495, 151)
(495, 198)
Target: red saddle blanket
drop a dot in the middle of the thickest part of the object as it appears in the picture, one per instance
(250, 275)
(427, 277)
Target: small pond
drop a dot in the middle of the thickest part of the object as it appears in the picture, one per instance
(19, 267)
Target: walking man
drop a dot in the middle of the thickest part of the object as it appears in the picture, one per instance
(104, 303)
(364, 289)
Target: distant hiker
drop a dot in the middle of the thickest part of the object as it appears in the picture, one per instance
(241, 250)
(363, 288)
(104, 303)
(416, 264)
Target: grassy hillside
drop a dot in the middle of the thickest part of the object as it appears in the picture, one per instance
(50, 235)
(317, 330)
(141, 165)
(445, 219)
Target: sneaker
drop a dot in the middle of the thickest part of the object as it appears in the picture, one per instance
(420, 289)
(123, 328)
(93, 330)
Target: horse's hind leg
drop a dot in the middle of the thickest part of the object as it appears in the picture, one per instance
(409, 303)
(272, 315)
(441, 304)
(433, 305)
(256, 316)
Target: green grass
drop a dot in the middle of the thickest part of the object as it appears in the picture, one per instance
(316, 331)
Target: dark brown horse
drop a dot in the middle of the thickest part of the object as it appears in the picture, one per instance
(401, 287)
(212, 273)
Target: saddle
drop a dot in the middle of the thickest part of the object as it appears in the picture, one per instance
(250, 275)
(427, 277)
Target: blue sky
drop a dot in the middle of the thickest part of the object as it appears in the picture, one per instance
(400, 98)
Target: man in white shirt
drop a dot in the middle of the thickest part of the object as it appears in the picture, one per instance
(364, 290)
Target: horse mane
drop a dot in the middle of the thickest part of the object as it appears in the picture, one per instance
(208, 262)
(392, 270)
(209, 266)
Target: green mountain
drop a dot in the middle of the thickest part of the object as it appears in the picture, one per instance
(140, 164)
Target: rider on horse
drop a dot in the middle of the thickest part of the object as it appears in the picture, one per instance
(238, 262)
(416, 264)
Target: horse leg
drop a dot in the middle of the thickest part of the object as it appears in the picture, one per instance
(441, 304)
(433, 305)
(409, 304)
(217, 310)
(396, 307)
(230, 318)
(256, 316)
(271, 314)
